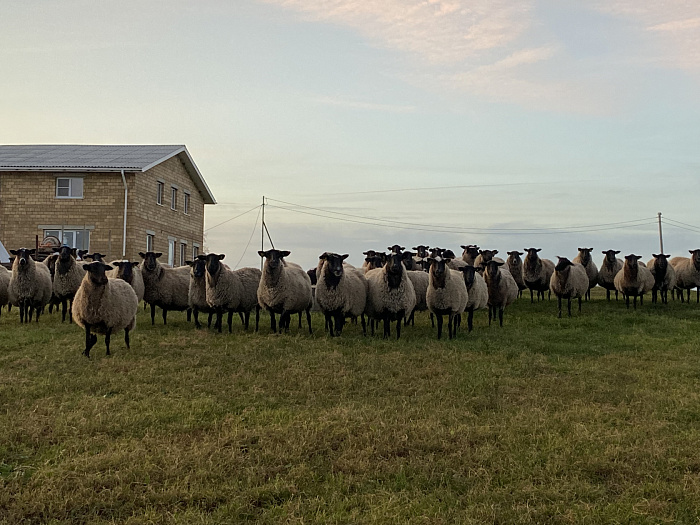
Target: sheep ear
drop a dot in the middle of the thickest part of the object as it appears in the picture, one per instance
(189, 263)
(323, 256)
(108, 267)
(495, 252)
(14, 252)
(498, 263)
(88, 267)
(157, 254)
(56, 250)
(345, 256)
(655, 255)
(143, 255)
(691, 251)
(222, 256)
(285, 253)
(118, 264)
(617, 251)
(668, 256)
(261, 253)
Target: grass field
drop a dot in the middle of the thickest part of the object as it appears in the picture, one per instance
(593, 419)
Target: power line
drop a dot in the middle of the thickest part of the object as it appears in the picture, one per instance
(683, 223)
(432, 188)
(232, 218)
(398, 225)
(249, 239)
(682, 227)
(457, 229)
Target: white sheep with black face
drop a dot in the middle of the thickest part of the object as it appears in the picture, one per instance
(537, 273)
(104, 306)
(166, 288)
(514, 264)
(484, 257)
(197, 294)
(391, 296)
(608, 270)
(664, 276)
(30, 286)
(341, 292)
(131, 273)
(634, 280)
(569, 281)
(584, 259)
(231, 291)
(5, 276)
(447, 294)
(687, 273)
(285, 289)
(477, 293)
(470, 253)
(68, 275)
(502, 289)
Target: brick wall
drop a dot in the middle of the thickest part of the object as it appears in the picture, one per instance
(28, 203)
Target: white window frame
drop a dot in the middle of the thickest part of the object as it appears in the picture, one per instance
(195, 251)
(183, 252)
(150, 241)
(160, 190)
(186, 203)
(173, 198)
(71, 233)
(70, 188)
(171, 251)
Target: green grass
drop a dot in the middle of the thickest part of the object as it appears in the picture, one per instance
(590, 419)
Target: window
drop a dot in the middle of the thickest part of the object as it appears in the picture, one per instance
(69, 188)
(149, 242)
(171, 252)
(195, 252)
(183, 250)
(186, 204)
(159, 193)
(79, 239)
(173, 198)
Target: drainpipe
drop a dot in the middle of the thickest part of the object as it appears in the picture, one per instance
(126, 195)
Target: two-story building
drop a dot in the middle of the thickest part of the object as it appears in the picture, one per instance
(116, 200)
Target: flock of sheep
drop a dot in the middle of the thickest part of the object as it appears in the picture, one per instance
(390, 287)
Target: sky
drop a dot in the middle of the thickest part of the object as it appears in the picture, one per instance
(504, 123)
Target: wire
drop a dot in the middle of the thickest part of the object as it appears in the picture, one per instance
(232, 218)
(679, 222)
(250, 238)
(446, 228)
(466, 231)
(683, 228)
(431, 188)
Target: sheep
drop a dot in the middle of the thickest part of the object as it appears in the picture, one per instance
(537, 273)
(373, 262)
(197, 295)
(167, 288)
(421, 257)
(95, 257)
(470, 253)
(447, 295)
(484, 257)
(396, 249)
(687, 273)
(664, 277)
(584, 259)
(502, 289)
(231, 290)
(341, 291)
(391, 295)
(104, 306)
(420, 281)
(514, 264)
(477, 293)
(608, 270)
(569, 281)
(30, 286)
(50, 262)
(131, 273)
(67, 278)
(409, 261)
(633, 280)
(453, 263)
(5, 276)
(284, 289)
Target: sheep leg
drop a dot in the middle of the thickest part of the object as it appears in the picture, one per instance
(230, 320)
(439, 323)
(641, 300)
(635, 302)
(653, 296)
(470, 319)
(217, 324)
(197, 324)
(247, 320)
(64, 307)
(364, 325)
(500, 315)
(532, 298)
(616, 295)
(153, 314)
(30, 309)
(450, 326)
(339, 323)
(90, 340)
(371, 327)
(559, 305)
(165, 316)
(607, 294)
(398, 327)
(126, 337)
(21, 313)
(273, 323)
(189, 315)
(38, 311)
(329, 324)
(211, 314)
(490, 313)
(70, 311)
(107, 337)
(308, 319)
(240, 315)
(387, 327)
(432, 320)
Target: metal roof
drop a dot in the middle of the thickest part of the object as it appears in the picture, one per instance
(84, 157)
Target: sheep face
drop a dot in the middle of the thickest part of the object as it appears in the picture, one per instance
(661, 263)
(334, 263)
(469, 273)
(97, 256)
(470, 250)
(199, 266)
(585, 254)
(274, 258)
(149, 260)
(96, 271)
(487, 255)
(514, 257)
(374, 261)
(393, 265)
(82, 254)
(563, 264)
(369, 253)
(65, 253)
(125, 270)
(448, 254)
(213, 263)
(438, 269)
(421, 250)
(407, 258)
(531, 259)
(396, 249)
(695, 257)
(631, 263)
(610, 255)
(492, 271)
(22, 257)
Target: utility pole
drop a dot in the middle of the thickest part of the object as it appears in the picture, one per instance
(661, 235)
(262, 233)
